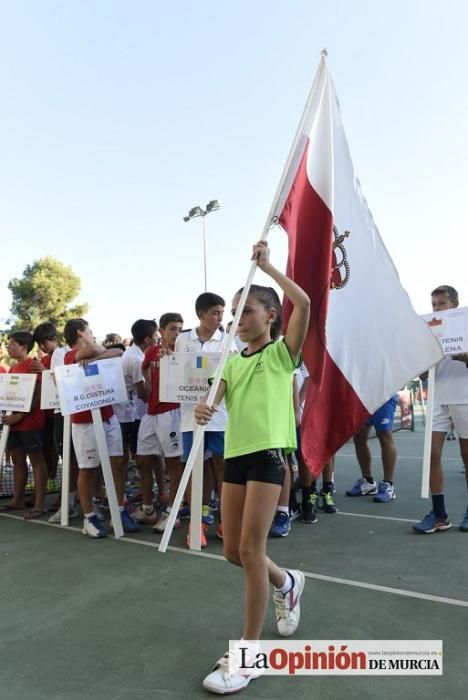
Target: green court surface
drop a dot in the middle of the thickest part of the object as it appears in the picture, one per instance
(116, 619)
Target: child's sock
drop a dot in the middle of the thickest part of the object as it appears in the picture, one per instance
(438, 505)
(288, 583)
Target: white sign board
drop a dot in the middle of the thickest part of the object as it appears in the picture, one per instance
(98, 384)
(16, 392)
(49, 394)
(450, 328)
(184, 376)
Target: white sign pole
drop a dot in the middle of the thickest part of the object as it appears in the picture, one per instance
(426, 470)
(65, 471)
(4, 439)
(294, 156)
(107, 472)
(196, 500)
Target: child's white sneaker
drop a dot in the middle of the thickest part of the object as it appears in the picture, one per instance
(228, 677)
(288, 606)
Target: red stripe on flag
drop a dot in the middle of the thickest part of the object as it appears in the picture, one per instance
(333, 411)
(331, 415)
(309, 225)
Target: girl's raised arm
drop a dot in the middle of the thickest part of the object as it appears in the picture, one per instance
(299, 320)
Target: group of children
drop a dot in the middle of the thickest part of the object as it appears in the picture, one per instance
(156, 434)
(251, 430)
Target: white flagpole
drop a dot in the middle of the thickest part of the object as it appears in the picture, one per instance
(198, 435)
(426, 469)
(4, 438)
(107, 472)
(196, 500)
(65, 471)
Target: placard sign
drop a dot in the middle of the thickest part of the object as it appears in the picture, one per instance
(84, 388)
(16, 392)
(450, 328)
(184, 376)
(49, 394)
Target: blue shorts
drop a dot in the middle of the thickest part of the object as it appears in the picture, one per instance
(214, 442)
(383, 418)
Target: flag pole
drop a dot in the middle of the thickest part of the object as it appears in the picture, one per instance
(269, 222)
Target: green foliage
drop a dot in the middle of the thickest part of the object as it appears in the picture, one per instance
(45, 293)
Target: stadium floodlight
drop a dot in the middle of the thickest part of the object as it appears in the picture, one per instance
(196, 212)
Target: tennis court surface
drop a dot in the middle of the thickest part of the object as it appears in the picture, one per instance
(116, 619)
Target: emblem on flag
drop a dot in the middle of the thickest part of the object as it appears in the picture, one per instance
(338, 279)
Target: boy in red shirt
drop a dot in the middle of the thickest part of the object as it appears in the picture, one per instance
(26, 438)
(159, 433)
(46, 337)
(84, 347)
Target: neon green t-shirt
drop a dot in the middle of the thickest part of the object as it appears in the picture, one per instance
(259, 401)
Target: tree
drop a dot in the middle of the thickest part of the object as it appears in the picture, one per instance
(44, 293)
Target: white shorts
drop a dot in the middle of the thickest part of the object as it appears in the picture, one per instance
(160, 435)
(445, 415)
(85, 444)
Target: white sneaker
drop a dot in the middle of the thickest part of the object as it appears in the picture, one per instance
(92, 527)
(227, 677)
(97, 512)
(288, 608)
(361, 487)
(73, 512)
(141, 516)
(162, 522)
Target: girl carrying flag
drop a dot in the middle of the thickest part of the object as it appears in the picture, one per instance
(257, 388)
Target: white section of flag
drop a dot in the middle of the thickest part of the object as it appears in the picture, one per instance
(373, 333)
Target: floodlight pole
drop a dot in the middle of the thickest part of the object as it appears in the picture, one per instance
(193, 214)
(204, 251)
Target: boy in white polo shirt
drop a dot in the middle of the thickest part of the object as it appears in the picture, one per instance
(450, 406)
(144, 335)
(159, 439)
(207, 337)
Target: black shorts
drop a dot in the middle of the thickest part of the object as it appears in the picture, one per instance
(129, 435)
(50, 448)
(58, 435)
(267, 466)
(27, 440)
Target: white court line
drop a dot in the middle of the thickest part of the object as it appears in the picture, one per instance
(445, 459)
(377, 517)
(383, 517)
(317, 577)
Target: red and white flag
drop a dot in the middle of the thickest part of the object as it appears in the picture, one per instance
(365, 340)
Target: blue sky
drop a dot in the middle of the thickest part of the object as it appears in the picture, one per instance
(117, 117)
